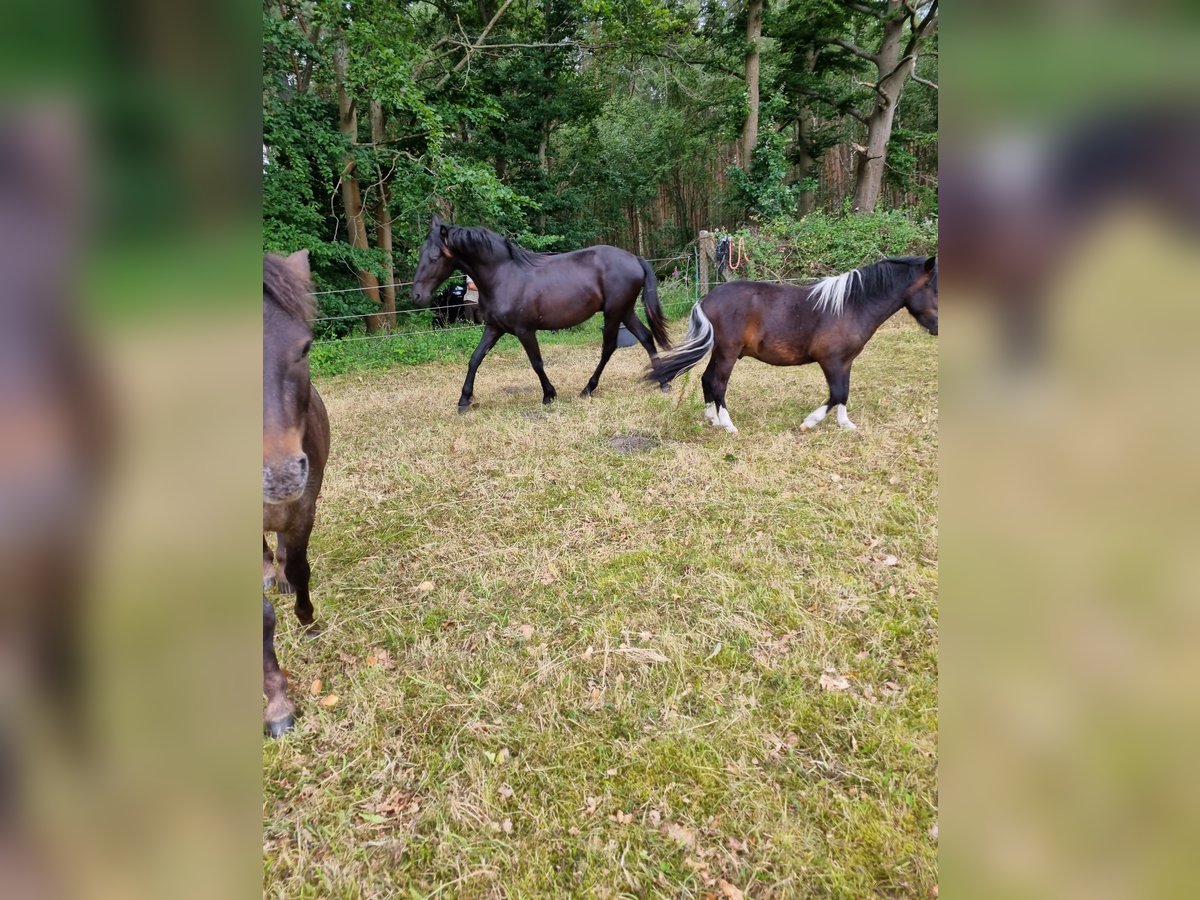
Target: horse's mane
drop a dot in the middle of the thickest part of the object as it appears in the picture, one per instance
(483, 242)
(286, 290)
(881, 279)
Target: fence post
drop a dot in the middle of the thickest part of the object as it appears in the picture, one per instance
(705, 252)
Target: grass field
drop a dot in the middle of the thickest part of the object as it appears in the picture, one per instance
(684, 663)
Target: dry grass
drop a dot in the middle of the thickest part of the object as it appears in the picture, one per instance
(696, 664)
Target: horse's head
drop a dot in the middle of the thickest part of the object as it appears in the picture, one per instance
(435, 264)
(287, 338)
(921, 297)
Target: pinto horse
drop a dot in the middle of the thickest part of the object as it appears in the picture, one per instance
(295, 449)
(828, 322)
(521, 293)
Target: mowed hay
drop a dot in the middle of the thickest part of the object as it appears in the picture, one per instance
(705, 667)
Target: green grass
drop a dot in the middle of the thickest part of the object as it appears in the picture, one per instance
(602, 673)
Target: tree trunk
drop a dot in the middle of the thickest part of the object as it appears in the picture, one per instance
(805, 160)
(544, 167)
(383, 224)
(895, 63)
(351, 194)
(753, 38)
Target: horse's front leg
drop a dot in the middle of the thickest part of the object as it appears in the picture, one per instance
(280, 714)
(837, 374)
(268, 566)
(528, 340)
(297, 572)
(491, 334)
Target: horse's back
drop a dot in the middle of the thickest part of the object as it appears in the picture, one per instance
(760, 319)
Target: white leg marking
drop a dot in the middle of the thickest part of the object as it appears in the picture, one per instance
(843, 419)
(813, 418)
(724, 420)
(710, 413)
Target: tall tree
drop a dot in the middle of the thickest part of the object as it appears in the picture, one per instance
(382, 211)
(352, 202)
(754, 22)
(902, 28)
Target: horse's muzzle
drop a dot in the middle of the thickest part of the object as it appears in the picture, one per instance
(285, 481)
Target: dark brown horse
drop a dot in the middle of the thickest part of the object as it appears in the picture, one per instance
(828, 322)
(295, 449)
(521, 293)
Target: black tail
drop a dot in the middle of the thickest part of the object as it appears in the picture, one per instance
(658, 325)
(695, 346)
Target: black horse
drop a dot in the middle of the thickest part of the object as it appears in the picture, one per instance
(828, 323)
(521, 293)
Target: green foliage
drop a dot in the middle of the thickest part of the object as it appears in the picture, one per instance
(821, 244)
(764, 192)
(603, 121)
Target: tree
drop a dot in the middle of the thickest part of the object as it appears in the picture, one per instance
(754, 22)
(570, 122)
(902, 29)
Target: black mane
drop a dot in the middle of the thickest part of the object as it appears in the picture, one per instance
(286, 290)
(886, 278)
(484, 243)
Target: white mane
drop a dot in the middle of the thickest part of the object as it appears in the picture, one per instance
(829, 294)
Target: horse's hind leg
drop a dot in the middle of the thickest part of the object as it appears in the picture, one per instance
(706, 383)
(721, 366)
(612, 325)
(645, 338)
(528, 340)
(280, 713)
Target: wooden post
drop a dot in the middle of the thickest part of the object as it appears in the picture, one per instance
(705, 253)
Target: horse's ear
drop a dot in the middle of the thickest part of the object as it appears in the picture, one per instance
(298, 263)
(930, 263)
(445, 236)
(436, 223)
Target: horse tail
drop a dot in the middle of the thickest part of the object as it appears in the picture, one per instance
(654, 313)
(696, 345)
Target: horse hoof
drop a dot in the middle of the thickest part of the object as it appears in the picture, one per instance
(665, 387)
(548, 399)
(280, 727)
(463, 408)
(732, 429)
(804, 426)
(314, 629)
(585, 393)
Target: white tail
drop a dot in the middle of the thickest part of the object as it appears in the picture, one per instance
(695, 346)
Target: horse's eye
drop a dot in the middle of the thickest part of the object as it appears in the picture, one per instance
(306, 348)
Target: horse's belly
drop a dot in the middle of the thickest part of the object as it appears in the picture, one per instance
(552, 317)
(779, 353)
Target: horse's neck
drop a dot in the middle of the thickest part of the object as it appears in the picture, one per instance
(875, 312)
(483, 274)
